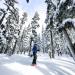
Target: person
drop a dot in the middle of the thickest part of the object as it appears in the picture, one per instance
(34, 50)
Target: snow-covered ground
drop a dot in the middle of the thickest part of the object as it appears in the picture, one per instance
(21, 65)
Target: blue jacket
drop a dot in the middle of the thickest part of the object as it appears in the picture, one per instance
(34, 48)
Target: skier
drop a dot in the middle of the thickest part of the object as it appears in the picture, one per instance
(34, 50)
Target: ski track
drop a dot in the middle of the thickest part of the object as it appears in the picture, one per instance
(21, 65)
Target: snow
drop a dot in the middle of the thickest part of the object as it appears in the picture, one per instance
(21, 65)
(62, 1)
(69, 20)
(54, 2)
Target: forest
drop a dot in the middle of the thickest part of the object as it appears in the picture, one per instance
(57, 37)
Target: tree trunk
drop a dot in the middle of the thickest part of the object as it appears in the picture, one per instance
(2, 18)
(43, 49)
(52, 44)
(7, 48)
(1, 49)
(24, 52)
(30, 47)
(13, 50)
(70, 43)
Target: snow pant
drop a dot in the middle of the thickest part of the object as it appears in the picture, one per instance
(34, 58)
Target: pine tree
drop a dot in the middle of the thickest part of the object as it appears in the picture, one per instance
(11, 26)
(9, 31)
(20, 37)
(57, 14)
(35, 25)
(67, 10)
(50, 21)
(9, 6)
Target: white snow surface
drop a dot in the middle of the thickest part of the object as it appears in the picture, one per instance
(21, 65)
(69, 20)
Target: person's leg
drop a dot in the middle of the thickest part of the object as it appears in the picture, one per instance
(34, 58)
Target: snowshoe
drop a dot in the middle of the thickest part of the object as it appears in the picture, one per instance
(33, 64)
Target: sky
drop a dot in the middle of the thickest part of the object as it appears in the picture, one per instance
(32, 7)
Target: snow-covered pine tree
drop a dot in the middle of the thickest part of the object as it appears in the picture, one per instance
(12, 22)
(66, 12)
(50, 21)
(9, 6)
(44, 40)
(20, 32)
(35, 25)
(63, 10)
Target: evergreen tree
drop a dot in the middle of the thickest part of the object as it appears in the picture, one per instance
(67, 10)
(50, 21)
(11, 26)
(9, 31)
(57, 14)
(35, 25)
(9, 9)
(20, 37)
